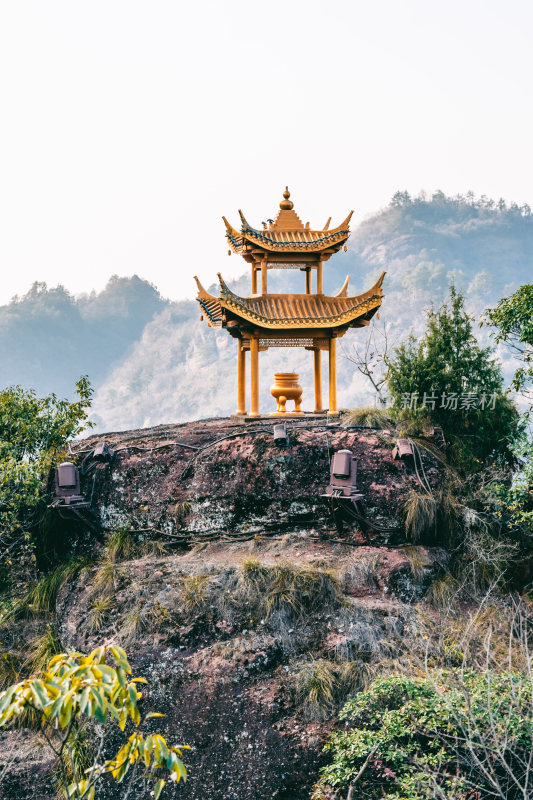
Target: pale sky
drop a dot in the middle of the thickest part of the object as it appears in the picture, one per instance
(128, 128)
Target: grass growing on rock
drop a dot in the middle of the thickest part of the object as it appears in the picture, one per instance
(125, 544)
(194, 594)
(418, 560)
(420, 510)
(100, 608)
(43, 648)
(41, 598)
(135, 622)
(107, 579)
(368, 417)
(319, 687)
(284, 588)
(442, 592)
(362, 571)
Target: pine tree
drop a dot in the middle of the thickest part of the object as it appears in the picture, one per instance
(458, 383)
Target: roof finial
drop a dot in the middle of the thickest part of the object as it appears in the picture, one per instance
(286, 204)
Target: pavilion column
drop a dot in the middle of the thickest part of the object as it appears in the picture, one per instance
(264, 273)
(254, 279)
(318, 381)
(319, 278)
(254, 376)
(241, 378)
(332, 376)
(308, 280)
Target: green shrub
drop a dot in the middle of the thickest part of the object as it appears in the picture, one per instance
(454, 735)
(73, 692)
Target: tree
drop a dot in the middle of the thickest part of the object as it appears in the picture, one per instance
(513, 317)
(400, 199)
(34, 433)
(450, 376)
(74, 692)
(371, 357)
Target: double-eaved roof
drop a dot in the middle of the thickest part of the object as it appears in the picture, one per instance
(286, 311)
(297, 243)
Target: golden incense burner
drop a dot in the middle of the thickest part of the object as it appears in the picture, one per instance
(286, 387)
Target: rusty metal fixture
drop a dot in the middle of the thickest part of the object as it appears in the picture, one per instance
(67, 481)
(102, 452)
(403, 450)
(281, 438)
(342, 463)
(347, 503)
(69, 502)
(286, 387)
(343, 477)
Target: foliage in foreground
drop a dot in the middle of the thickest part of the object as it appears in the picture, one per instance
(457, 735)
(73, 693)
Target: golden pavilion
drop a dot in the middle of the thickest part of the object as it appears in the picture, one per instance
(311, 320)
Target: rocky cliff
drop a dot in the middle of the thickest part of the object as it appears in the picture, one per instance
(219, 477)
(236, 596)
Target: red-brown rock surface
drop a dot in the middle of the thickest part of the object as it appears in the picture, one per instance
(255, 587)
(240, 481)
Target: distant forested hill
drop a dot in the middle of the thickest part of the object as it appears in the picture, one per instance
(48, 338)
(153, 361)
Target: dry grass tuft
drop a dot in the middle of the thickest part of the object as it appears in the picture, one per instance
(369, 417)
(107, 578)
(42, 650)
(296, 590)
(281, 595)
(320, 687)
(420, 511)
(182, 511)
(135, 622)
(100, 607)
(418, 560)
(124, 544)
(442, 593)
(412, 424)
(363, 571)
(194, 594)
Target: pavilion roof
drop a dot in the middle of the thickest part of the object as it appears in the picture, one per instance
(287, 233)
(286, 311)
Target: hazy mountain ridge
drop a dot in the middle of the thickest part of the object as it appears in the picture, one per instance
(153, 361)
(48, 338)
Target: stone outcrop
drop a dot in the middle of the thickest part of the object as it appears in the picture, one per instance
(239, 584)
(238, 481)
